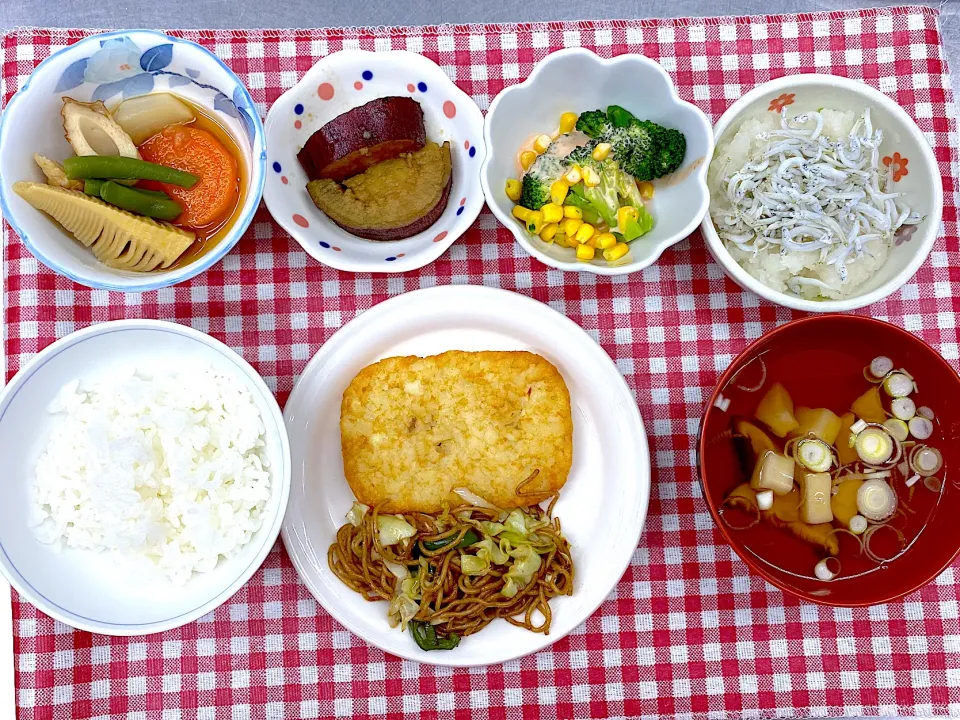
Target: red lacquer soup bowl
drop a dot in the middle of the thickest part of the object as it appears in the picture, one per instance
(820, 360)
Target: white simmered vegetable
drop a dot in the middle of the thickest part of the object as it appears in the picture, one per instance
(144, 116)
(815, 498)
(773, 472)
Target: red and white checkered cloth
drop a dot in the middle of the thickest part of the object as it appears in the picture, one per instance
(688, 631)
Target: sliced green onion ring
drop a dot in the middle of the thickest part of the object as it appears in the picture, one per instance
(898, 385)
(868, 536)
(897, 428)
(878, 369)
(814, 454)
(858, 525)
(903, 408)
(827, 569)
(742, 504)
(924, 411)
(925, 460)
(877, 447)
(920, 427)
(876, 500)
(933, 484)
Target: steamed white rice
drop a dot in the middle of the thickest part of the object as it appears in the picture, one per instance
(169, 467)
(770, 266)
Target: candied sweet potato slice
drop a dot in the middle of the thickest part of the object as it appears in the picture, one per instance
(380, 130)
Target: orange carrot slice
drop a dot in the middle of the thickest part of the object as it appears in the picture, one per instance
(199, 152)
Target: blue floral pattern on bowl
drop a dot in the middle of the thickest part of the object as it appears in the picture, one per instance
(111, 67)
(119, 68)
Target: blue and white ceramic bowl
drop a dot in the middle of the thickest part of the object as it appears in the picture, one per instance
(112, 67)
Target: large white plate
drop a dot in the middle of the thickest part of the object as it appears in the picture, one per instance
(602, 507)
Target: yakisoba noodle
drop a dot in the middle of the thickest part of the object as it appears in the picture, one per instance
(452, 603)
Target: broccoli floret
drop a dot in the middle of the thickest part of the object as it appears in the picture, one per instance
(581, 155)
(644, 149)
(593, 123)
(534, 192)
(636, 148)
(673, 146)
(619, 117)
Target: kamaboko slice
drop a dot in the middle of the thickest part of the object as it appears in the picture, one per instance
(118, 238)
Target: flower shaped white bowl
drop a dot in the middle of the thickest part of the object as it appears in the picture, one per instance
(111, 67)
(921, 183)
(576, 80)
(340, 82)
(96, 592)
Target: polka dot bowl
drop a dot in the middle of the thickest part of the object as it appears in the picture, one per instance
(336, 84)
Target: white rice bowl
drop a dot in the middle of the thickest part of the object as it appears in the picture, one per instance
(170, 468)
(771, 266)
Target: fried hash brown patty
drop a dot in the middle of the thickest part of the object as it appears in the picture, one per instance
(412, 429)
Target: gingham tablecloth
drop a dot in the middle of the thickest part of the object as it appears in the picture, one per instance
(688, 631)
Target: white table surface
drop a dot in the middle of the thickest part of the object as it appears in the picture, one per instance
(334, 13)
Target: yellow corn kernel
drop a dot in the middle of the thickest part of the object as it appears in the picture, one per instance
(584, 233)
(549, 232)
(592, 242)
(552, 213)
(624, 214)
(534, 222)
(585, 252)
(591, 178)
(568, 121)
(520, 212)
(541, 143)
(573, 175)
(526, 159)
(558, 192)
(606, 240)
(616, 252)
(601, 151)
(513, 189)
(570, 211)
(571, 226)
(646, 190)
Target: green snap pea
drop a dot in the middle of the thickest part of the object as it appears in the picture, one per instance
(138, 202)
(92, 187)
(152, 193)
(116, 167)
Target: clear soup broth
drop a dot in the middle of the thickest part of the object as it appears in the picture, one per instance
(819, 378)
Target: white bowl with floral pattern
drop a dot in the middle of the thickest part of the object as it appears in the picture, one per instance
(112, 67)
(341, 82)
(904, 150)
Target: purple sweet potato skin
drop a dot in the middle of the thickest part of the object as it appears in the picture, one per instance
(359, 138)
(417, 226)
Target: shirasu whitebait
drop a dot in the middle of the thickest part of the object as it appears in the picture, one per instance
(805, 192)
